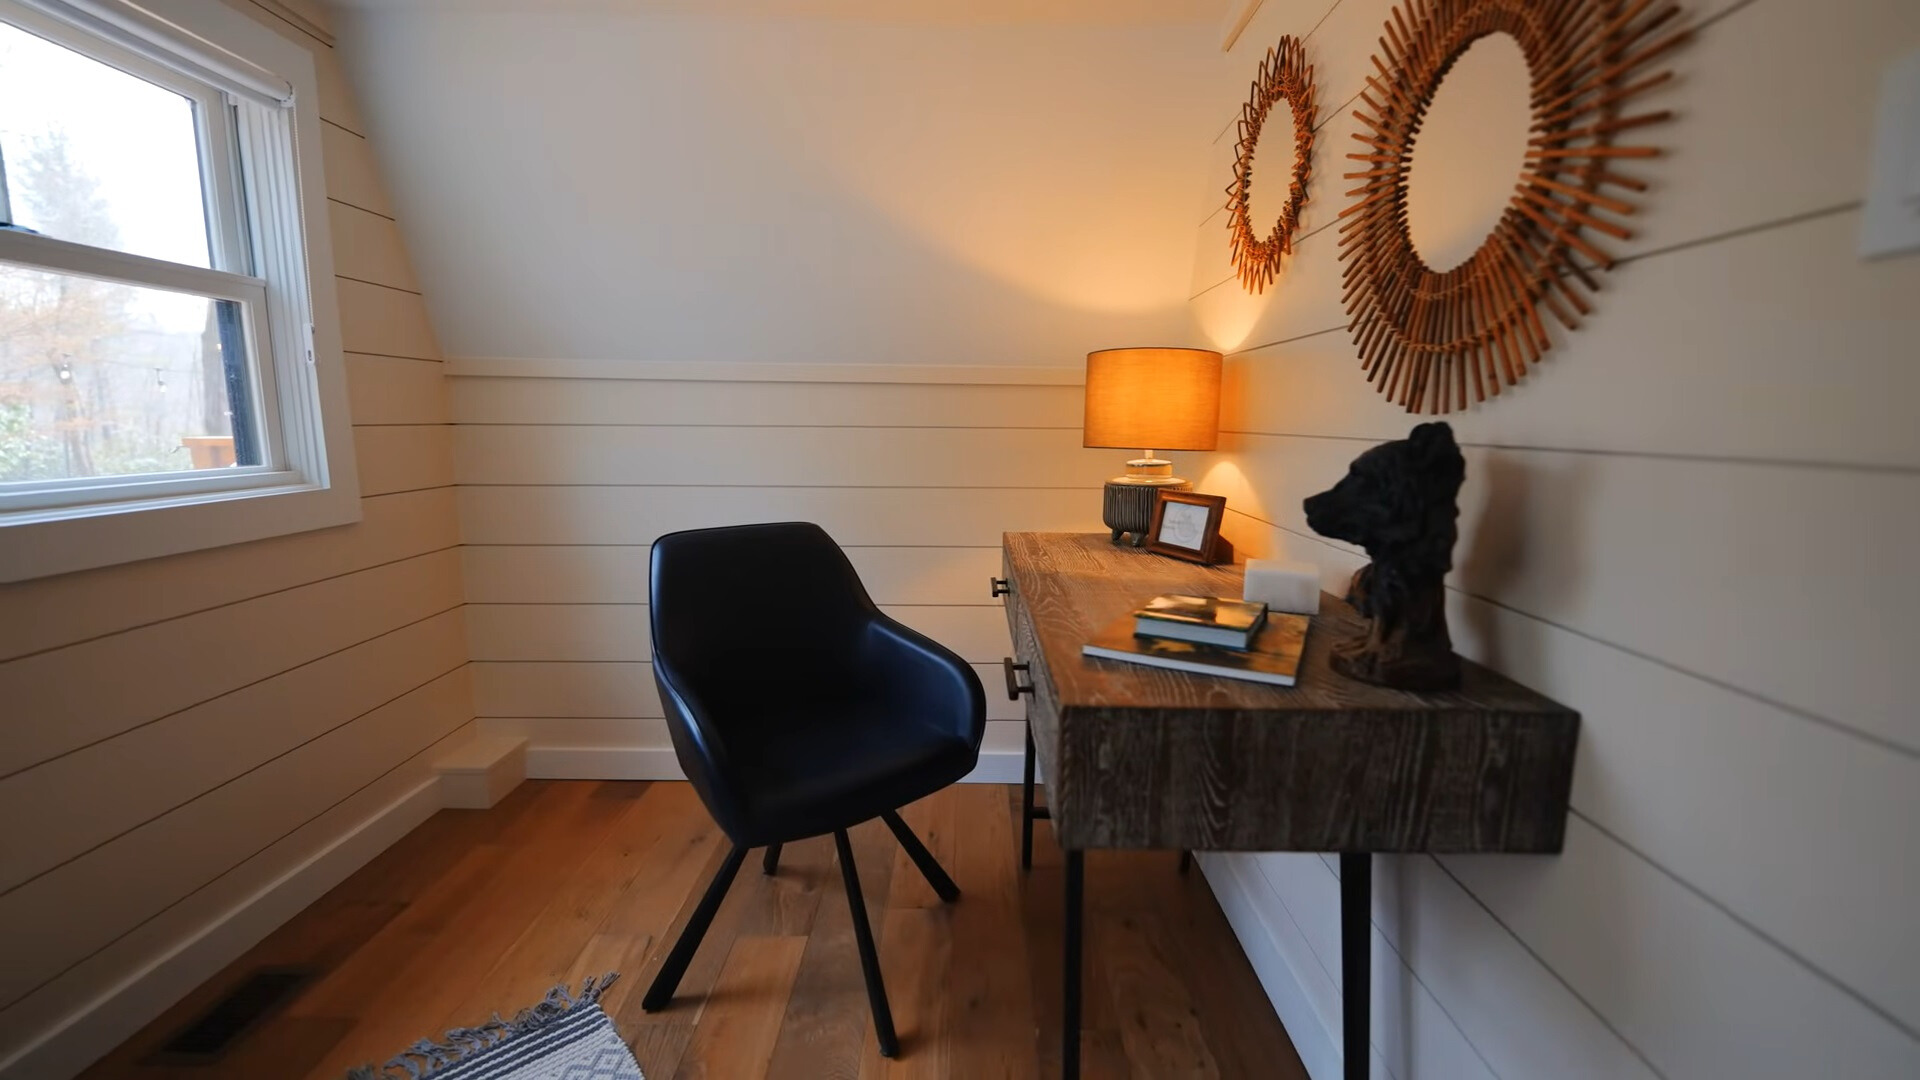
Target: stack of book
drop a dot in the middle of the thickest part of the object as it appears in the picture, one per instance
(1208, 635)
(1210, 620)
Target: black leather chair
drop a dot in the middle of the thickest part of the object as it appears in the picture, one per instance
(798, 709)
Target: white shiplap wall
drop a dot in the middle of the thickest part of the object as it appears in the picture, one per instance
(564, 483)
(721, 240)
(193, 748)
(1694, 523)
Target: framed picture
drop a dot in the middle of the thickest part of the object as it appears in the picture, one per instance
(1187, 526)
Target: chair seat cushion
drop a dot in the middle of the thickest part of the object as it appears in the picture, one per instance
(815, 767)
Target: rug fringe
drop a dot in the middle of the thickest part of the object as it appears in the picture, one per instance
(426, 1057)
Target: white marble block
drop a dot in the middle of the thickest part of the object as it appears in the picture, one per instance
(1284, 586)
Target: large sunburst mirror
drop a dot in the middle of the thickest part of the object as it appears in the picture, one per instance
(1285, 78)
(1439, 340)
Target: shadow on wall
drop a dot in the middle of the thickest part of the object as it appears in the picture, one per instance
(1494, 549)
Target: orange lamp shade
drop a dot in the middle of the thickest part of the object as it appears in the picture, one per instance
(1153, 399)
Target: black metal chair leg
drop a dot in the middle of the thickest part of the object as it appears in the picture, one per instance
(869, 959)
(770, 862)
(1186, 861)
(661, 992)
(922, 858)
(1356, 963)
(1026, 798)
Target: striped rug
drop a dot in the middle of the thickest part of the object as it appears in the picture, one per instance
(565, 1037)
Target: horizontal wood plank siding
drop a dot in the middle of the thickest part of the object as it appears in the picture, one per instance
(856, 516)
(566, 482)
(622, 689)
(201, 739)
(376, 319)
(603, 632)
(779, 404)
(866, 457)
(1689, 523)
(50, 613)
(617, 574)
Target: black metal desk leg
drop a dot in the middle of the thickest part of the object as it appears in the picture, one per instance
(1356, 961)
(1026, 808)
(1070, 1009)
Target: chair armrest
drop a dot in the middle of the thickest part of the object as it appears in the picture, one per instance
(925, 679)
(696, 742)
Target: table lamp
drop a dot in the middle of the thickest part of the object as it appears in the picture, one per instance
(1154, 399)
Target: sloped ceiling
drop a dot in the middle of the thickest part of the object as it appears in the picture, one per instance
(665, 186)
(956, 12)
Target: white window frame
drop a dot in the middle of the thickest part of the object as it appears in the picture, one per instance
(257, 94)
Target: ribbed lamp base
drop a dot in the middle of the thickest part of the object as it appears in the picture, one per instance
(1127, 507)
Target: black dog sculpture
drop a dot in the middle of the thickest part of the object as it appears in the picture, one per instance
(1399, 501)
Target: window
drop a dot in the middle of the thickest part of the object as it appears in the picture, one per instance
(158, 344)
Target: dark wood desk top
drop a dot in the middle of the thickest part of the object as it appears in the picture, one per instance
(1143, 757)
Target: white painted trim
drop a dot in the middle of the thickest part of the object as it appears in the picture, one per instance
(305, 427)
(509, 367)
(37, 252)
(1238, 16)
(299, 21)
(172, 45)
(482, 771)
(117, 1014)
(658, 763)
(1246, 910)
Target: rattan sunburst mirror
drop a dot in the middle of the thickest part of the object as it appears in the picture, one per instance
(1428, 340)
(1284, 76)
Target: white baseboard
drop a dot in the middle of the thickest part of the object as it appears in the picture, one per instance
(123, 1009)
(1247, 906)
(602, 763)
(658, 763)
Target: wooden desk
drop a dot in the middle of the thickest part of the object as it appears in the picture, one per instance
(1140, 757)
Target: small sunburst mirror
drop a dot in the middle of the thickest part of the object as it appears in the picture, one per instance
(1280, 107)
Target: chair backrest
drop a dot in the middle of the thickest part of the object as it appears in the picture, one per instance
(742, 617)
(785, 588)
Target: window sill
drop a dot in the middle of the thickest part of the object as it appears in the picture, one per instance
(38, 543)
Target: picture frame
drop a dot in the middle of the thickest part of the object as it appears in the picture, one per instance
(1186, 526)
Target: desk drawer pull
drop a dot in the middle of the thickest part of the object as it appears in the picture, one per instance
(999, 586)
(1014, 689)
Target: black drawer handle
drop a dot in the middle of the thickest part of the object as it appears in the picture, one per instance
(999, 586)
(1014, 689)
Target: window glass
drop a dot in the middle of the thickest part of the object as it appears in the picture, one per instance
(104, 379)
(97, 156)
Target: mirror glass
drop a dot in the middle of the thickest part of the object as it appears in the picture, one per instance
(1469, 152)
(1271, 171)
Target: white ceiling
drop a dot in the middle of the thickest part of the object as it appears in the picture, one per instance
(957, 12)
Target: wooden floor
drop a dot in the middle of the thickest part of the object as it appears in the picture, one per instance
(482, 911)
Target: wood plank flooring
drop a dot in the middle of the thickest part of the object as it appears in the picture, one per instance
(478, 912)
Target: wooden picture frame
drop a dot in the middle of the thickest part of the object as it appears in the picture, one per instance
(1187, 534)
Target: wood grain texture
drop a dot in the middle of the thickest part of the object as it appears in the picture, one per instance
(1139, 757)
(736, 1034)
(565, 879)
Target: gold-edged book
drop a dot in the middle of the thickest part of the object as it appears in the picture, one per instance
(1272, 658)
